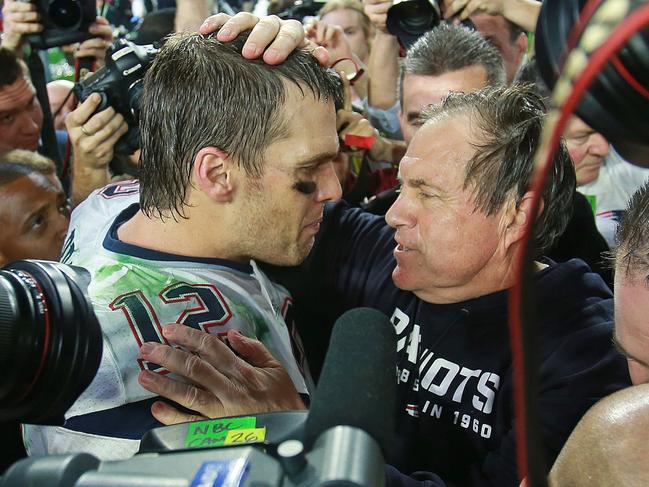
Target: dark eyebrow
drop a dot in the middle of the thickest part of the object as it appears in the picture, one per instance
(618, 346)
(317, 159)
(419, 183)
(412, 116)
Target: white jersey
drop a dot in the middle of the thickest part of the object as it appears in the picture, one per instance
(135, 292)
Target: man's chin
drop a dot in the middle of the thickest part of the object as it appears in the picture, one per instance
(400, 279)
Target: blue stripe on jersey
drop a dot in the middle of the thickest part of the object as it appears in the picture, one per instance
(129, 421)
(112, 243)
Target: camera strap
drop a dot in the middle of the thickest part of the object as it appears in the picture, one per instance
(48, 136)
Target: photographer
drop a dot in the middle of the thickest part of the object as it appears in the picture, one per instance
(22, 18)
(92, 136)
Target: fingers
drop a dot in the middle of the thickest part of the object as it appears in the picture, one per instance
(377, 11)
(208, 346)
(289, 38)
(186, 395)
(11, 6)
(83, 112)
(168, 414)
(101, 29)
(92, 48)
(354, 130)
(252, 351)
(270, 37)
(452, 7)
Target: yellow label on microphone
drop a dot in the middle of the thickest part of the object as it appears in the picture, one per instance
(250, 435)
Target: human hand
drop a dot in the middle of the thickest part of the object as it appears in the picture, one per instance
(19, 19)
(464, 8)
(270, 38)
(377, 11)
(97, 46)
(94, 135)
(331, 37)
(354, 130)
(225, 382)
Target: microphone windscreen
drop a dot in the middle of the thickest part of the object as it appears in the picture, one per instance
(357, 386)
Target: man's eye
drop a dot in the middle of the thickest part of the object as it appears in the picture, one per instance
(350, 32)
(7, 119)
(579, 139)
(38, 223)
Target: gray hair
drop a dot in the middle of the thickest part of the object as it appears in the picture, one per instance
(449, 48)
(510, 120)
(200, 92)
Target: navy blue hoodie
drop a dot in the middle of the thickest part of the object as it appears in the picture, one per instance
(455, 410)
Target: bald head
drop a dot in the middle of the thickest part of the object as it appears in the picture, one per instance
(608, 446)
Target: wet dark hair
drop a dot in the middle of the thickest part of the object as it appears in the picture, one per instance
(201, 92)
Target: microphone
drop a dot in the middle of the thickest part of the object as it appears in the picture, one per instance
(351, 421)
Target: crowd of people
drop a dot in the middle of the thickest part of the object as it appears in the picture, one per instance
(290, 170)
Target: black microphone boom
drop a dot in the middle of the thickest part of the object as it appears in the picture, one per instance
(357, 386)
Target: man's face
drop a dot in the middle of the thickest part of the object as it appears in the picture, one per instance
(21, 117)
(34, 217)
(350, 21)
(446, 249)
(283, 209)
(632, 324)
(494, 28)
(419, 91)
(587, 149)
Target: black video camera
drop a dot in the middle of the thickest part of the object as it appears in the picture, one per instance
(64, 22)
(410, 19)
(120, 85)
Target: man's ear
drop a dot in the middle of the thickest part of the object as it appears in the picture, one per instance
(517, 217)
(521, 45)
(213, 174)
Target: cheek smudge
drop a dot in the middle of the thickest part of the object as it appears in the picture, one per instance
(305, 187)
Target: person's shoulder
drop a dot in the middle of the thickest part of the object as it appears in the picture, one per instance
(109, 200)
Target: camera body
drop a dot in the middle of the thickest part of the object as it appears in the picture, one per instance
(64, 22)
(301, 9)
(120, 83)
(410, 19)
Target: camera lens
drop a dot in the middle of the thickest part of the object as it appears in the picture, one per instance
(409, 19)
(50, 341)
(65, 14)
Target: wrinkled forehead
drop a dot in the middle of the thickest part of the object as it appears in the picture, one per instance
(16, 94)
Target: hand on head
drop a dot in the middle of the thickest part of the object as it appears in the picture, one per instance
(223, 381)
(271, 38)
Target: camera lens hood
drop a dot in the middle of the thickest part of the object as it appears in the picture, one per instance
(50, 340)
